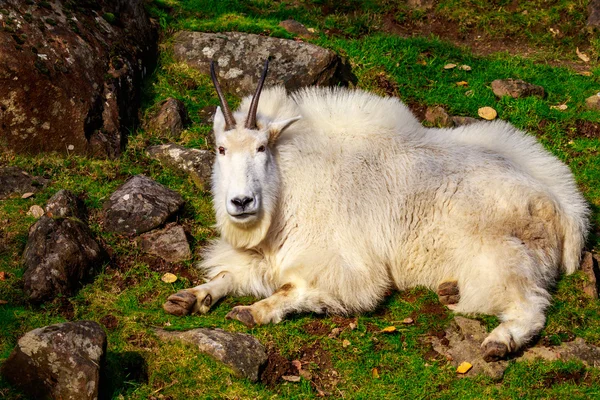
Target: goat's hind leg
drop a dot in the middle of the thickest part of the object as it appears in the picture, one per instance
(199, 299)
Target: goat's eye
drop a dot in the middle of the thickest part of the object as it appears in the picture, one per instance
(222, 150)
(261, 149)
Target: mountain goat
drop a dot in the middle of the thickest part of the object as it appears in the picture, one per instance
(327, 198)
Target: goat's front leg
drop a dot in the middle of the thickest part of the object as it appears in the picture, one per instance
(286, 299)
(199, 299)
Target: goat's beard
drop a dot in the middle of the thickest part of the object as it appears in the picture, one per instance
(244, 235)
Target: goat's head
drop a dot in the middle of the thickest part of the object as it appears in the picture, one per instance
(245, 176)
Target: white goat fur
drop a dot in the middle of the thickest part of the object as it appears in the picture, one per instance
(366, 199)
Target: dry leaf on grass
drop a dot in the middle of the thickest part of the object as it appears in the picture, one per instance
(345, 343)
(582, 56)
(375, 373)
(35, 211)
(389, 329)
(462, 83)
(291, 378)
(465, 68)
(464, 367)
(27, 195)
(560, 107)
(487, 113)
(449, 66)
(3, 302)
(168, 278)
(407, 321)
(2, 276)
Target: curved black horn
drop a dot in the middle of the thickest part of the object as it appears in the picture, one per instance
(229, 120)
(251, 120)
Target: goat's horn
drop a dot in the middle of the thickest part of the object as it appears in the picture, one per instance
(251, 120)
(229, 120)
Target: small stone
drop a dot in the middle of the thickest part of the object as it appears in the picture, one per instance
(461, 121)
(193, 162)
(243, 353)
(408, 321)
(487, 113)
(516, 88)
(438, 116)
(170, 244)
(170, 120)
(153, 205)
(296, 28)
(593, 9)
(291, 378)
(35, 211)
(593, 102)
(589, 267)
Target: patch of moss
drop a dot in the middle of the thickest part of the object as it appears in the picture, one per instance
(109, 17)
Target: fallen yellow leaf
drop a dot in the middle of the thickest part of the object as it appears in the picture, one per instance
(586, 73)
(422, 62)
(449, 66)
(375, 373)
(462, 83)
(168, 278)
(487, 113)
(389, 329)
(464, 367)
(345, 343)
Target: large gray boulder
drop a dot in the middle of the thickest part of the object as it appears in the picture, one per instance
(140, 205)
(170, 243)
(65, 204)
(60, 255)
(240, 57)
(243, 353)
(61, 361)
(70, 74)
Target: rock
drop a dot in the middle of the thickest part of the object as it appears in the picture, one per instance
(193, 162)
(420, 4)
(140, 205)
(296, 28)
(60, 255)
(242, 352)
(578, 349)
(240, 59)
(463, 343)
(61, 361)
(516, 88)
(593, 102)
(170, 120)
(207, 114)
(70, 74)
(438, 116)
(35, 211)
(16, 182)
(589, 266)
(65, 204)
(593, 13)
(461, 121)
(169, 244)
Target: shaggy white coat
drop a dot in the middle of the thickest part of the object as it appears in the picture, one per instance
(363, 198)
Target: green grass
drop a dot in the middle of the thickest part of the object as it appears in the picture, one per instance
(129, 291)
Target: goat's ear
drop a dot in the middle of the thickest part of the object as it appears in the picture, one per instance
(276, 127)
(219, 122)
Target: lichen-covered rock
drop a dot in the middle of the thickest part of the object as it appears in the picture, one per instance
(60, 255)
(16, 182)
(295, 27)
(193, 162)
(65, 204)
(593, 14)
(240, 57)
(170, 243)
(243, 353)
(577, 349)
(61, 361)
(516, 88)
(169, 121)
(140, 205)
(70, 73)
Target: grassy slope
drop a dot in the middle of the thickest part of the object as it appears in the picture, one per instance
(128, 294)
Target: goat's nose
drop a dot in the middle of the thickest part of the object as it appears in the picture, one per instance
(242, 202)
